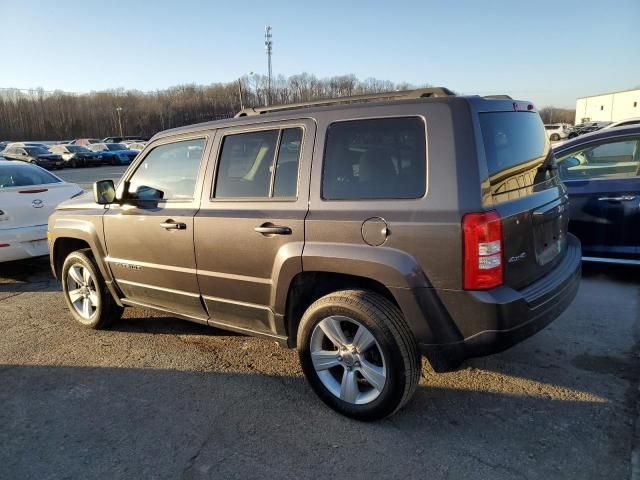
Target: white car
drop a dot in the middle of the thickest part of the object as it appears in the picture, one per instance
(557, 131)
(28, 195)
(623, 123)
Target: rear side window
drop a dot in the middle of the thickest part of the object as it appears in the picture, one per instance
(511, 139)
(24, 176)
(260, 164)
(375, 159)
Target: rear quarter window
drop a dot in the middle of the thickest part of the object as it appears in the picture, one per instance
(375, 159)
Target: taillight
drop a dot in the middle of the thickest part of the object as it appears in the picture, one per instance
(482, 240)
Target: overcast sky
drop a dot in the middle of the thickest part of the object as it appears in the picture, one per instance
(547, 52)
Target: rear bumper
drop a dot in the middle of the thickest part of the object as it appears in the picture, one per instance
(491, 321)
(25, 242)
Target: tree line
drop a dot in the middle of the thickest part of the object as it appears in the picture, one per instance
(40, 115)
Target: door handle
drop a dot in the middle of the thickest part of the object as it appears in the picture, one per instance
(171, 225)
(273, 230)
(623, 198)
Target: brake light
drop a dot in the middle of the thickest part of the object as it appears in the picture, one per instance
(482, 241)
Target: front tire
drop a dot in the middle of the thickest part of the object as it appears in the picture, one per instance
(555, 137)
(358, 354)
(85, 292)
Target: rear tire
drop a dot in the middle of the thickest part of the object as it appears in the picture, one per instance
(358, 354)
(86, 293)
(555, 137)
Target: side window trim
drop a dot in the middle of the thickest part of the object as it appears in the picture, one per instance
(243, 130)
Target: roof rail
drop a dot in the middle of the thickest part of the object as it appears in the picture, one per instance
(405, 94)
(498, 97)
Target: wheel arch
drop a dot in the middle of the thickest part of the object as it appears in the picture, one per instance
(308, 286)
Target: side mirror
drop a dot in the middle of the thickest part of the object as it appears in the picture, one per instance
(104, 192)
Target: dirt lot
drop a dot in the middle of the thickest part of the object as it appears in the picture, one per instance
(156, 397)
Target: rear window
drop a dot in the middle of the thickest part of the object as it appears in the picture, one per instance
(375, 159)
(511, 139)
(24, 176)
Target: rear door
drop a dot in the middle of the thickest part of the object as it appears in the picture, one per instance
(249, 233)
(602, 178)
(526, 191)
(149, 238)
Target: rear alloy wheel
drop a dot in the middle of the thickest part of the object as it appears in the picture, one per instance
(85, 292)
(358, 354)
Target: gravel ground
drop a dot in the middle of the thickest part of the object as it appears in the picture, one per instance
(156, 397)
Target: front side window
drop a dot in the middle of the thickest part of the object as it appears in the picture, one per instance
(260, 164)
(375, 159)
(616, 159)
(168, 172)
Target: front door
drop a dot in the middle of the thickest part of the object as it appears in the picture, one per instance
(249, 233)
(149, 237)
(603, 182)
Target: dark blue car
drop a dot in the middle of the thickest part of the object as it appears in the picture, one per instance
(601, 171)
(113, 153)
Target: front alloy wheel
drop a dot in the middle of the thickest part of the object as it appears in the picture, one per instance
(82, 291)
(85, 291)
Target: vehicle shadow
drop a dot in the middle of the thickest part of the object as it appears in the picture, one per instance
(140, 321)
(97, 422)
(31, 275)
(618, 273)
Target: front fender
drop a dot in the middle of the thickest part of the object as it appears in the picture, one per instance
(87, 229)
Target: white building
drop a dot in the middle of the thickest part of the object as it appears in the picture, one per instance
(608, 107)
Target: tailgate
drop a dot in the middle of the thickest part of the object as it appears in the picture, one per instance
(526, 192)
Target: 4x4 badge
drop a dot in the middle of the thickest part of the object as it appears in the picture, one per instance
(517, 258)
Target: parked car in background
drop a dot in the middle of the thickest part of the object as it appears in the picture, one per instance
(120, 139)
(137, 146)
(28, 195)
(27, 144)
(337, 250)
(557, 131)
(601, 172)
(37, 155)
(84, 141)
(623, 123)
(587, 127)
(113, 153)
(76, 155)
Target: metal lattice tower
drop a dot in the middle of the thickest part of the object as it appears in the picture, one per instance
(268, 45)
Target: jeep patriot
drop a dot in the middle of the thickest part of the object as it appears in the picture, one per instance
(364, 231)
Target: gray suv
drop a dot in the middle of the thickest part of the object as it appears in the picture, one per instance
(365, 232)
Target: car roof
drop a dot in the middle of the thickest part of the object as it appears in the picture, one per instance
(480, 104)
(599, 135)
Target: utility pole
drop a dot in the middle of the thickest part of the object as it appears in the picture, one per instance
(268, 45)
(119, 109)
(240, 93)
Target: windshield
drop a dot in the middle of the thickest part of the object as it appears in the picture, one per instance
(116, 146)
(37, 150)
(24, 175)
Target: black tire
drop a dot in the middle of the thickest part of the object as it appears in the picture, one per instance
(555, 137)
(107, 310)
(74, 163)
(394, 341)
